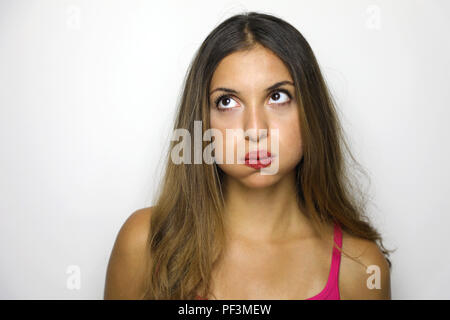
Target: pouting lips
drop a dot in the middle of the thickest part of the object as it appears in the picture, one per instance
(258, 155)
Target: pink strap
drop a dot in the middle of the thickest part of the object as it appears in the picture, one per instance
(336, 261)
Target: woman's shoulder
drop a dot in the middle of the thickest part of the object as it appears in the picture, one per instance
(127, 264)
(140, 217)
(135, 230)
(369, 276)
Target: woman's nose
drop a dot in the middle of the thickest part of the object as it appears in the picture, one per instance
(255, 122)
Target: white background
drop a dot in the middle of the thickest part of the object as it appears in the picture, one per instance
(88, 91)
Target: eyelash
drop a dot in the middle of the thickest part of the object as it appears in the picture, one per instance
(218, 99)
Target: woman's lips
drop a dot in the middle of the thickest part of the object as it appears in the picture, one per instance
(258, 154)
(258, 159)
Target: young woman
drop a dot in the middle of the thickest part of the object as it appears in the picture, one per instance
(227, 231)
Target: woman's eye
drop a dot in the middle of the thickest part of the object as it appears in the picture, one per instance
(224, 102)
(277, 96)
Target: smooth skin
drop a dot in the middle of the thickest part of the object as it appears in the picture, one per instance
(272, 250)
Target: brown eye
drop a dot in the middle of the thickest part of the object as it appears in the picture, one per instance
(280, 97)
(225, 101)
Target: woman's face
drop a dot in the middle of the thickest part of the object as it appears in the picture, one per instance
(251, 106)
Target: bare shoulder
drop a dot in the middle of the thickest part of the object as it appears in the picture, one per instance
(365, 279)
(134, 231)
(127, 264)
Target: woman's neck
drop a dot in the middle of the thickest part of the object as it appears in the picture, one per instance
(265, 214)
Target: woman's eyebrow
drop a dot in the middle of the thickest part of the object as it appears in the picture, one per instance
(274, 86)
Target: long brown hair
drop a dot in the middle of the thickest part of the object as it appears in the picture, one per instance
(186, 229)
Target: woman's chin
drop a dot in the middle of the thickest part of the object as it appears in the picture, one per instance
(257, 181)
(250, 177)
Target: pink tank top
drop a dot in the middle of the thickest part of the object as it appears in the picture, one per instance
(331, 289)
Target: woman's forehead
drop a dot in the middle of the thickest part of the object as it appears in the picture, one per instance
(257, 68)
